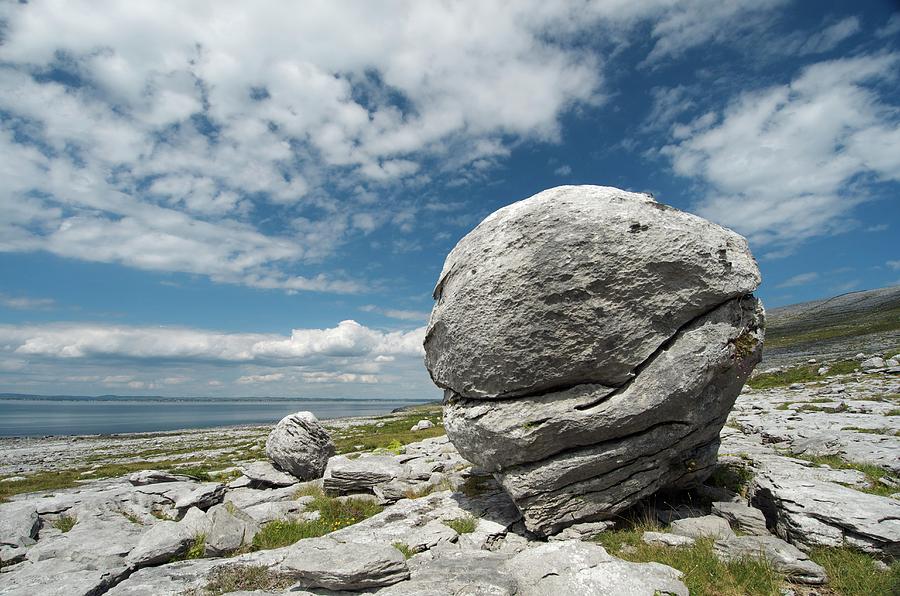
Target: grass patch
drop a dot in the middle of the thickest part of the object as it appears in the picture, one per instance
(704, 573)
(160, 514)
(132, 517)
(733, 477)
(403, 548)
(197, 549)
(244, 578)
(872, 472)
(838, 409)
(894, 412)
(393, 435)
(64, 523)
(870, 431)
(309, 490)
(851, 572)
(462, 525)
(334, 515)
(855, 325)
(804, 373)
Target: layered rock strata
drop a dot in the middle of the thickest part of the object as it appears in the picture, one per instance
(591, 343)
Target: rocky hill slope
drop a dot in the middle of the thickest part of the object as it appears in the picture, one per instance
(867, 321)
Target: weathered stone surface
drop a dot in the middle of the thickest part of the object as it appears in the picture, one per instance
(577, 284)
(143, 477)
(300, 446)
(345, 475)
(203, 497)
(666, 539)
(748, 520)
(784, 557)
(583, 568)
(702, 527)
(422, 425)
(326, 563)
(262, 474)
(587, 453)
(230, 529)
(266, 512)
(811, 512)
(19, 524)
(160, 544)
(248, 497)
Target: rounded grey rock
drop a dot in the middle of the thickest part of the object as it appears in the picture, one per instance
(300, 446)
(577, 284)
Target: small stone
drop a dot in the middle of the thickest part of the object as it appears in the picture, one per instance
(145, 477)
(422, 425)
(262, 473)
(666, 539)
(873, 362)
(325, 563)
(203, 497)
(701, 527)
(745, 518)
(784, 557)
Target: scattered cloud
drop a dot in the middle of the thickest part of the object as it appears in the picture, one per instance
(826, 39)
(895, 265)
(249, 145)
(799, 280)
(848, 286)
(786, 163)
(892, 27)
(563, 170)
(251, 379)
(877, 228)
(26, 303)
(393, 313)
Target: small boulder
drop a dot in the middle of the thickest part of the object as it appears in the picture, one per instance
(873, 362)
(230, 529)
(748, 520)
(202, 497)
(784, 557)
(701, 527)
(263, 474)
(326, 563)
(163, 541)
(422, 425)
(300, 446)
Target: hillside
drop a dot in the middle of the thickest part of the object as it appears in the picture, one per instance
(866, 321)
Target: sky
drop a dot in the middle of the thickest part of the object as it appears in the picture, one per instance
(255, 198)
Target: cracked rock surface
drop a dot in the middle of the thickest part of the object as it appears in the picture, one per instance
(591, 343)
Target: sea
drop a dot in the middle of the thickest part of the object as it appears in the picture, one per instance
(36, 416)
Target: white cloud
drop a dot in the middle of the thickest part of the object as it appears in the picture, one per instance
(895, 265)
(799, 280)
(251, 379)
(789, 162)
(394, 313)
(26, 303)
(185, 124)
(563, 170)
(892, 27)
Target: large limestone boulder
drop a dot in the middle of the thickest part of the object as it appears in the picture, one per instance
(576, 284)
(300, 446)
(591, 343)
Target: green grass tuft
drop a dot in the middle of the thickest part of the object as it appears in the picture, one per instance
(894, 412)
(334, 515)
(704, 573)
(734, 477)
(463, 525)
(801, 374)
(872, 472)
(244, 578)
(64, 523)
(851, 572)
(393, 435)
(403, 548)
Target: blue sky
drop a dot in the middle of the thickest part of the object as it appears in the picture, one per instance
(256, 198)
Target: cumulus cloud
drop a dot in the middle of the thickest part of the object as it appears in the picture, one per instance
(161, 137)
(789, 162)
(189, 360)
